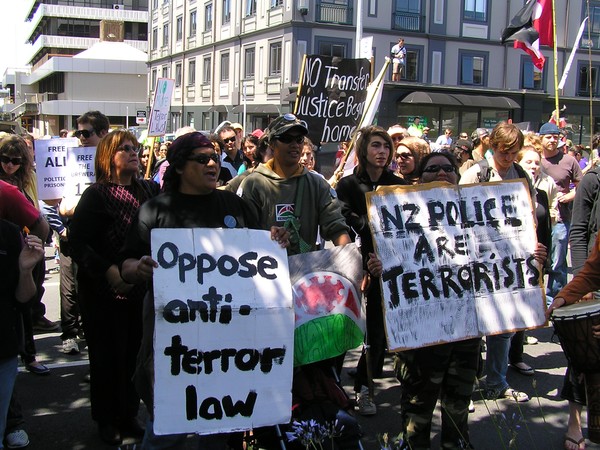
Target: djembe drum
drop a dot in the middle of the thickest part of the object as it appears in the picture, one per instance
(573, 325)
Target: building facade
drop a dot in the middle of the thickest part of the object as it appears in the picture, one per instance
(71, 71)
(234, 56)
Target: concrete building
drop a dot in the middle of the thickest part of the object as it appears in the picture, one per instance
(86, 55)
(227, 53)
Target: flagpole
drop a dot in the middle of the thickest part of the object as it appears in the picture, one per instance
(567, 68)
(556, 102)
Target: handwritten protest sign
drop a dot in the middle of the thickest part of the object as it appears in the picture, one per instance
(326, 288)
(161, 105)
(457, 261)
(224, 323)
(51, 166)
(332, 96)
(80, 169)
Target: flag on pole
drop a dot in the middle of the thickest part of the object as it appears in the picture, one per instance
(530, 28)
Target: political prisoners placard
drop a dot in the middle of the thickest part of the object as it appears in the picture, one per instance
(457, 261)
(63, 169)
(332, 96)
(327, 303)
(224, 327)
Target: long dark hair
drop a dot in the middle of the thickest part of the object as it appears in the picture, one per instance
(362, 145)
(15, 146)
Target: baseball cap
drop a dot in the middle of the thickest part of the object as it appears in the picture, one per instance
(464, 144)
(257, 133)
(395, 129)
(236, 126)
(283, 124)
(549, 128)
(479, 133)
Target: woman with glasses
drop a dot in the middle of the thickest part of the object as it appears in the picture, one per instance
(374, 151)
(111, 308)
(409, 152)
(446, 370)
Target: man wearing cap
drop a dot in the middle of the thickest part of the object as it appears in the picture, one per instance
(397, 133)
(481, 143)
(462, 149)
(284, 193)
(565, 171)
(232, 158)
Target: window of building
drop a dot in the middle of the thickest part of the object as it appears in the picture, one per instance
(275, 58)
(250, 8)
(408, 16)
(154, 4)
(206, 70)
(193, 24)
(191, 72)
(473, 68)
(179, 24)
(208, 17)
(328, 47)
(178, 74)
(165, 72)
(226, 12)
(225, 66)
(153, 78)
(475, 10)
(531, 76)
(587, 75)
(276, 3)
(165, 41)
(154, 38)
(411, 71)
(593, 26)
(334, 11)
(249, 56)
(372, 11)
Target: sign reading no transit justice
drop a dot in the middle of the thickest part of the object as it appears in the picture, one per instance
(159, 115)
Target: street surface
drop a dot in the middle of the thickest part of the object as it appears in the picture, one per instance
(57, 409)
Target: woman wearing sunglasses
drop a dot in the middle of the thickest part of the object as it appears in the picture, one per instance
(446, 370)
(409, 152)
(111, 308)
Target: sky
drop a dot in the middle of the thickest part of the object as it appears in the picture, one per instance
(13, 50)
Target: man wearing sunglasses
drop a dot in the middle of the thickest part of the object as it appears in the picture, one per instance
(91, 127)
(284, 193)
(232, 158)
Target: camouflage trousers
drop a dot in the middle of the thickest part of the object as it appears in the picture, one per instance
(445, 371)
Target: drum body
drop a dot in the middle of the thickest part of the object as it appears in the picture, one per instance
(573, 325)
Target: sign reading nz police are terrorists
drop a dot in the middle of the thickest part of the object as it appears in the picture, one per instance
(332, 96)
(224, 331)
(457, 261)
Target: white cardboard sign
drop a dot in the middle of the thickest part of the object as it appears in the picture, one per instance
(159, 115)
(457, 261)
(224, 331)
(51, 166)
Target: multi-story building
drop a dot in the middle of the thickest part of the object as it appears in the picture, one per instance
(70, 73)
(231, 56)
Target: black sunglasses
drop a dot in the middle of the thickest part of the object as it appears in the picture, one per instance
(203, 158)
(128, 148)
(288, 139)
(435, 168)
(228, 140)
(404, 156)
(85, 133)
(7, 159)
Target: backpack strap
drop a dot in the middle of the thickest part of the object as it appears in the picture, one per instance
(485, 171)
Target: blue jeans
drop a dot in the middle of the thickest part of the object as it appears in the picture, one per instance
(8, 375)
(153, 441)
(557, 276)
(496, 361)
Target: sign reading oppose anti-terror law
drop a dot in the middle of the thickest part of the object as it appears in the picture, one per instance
(224, 330)
(332, 96)
(457, 261)
(327, 303)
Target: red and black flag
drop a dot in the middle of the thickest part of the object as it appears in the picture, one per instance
(530, 28)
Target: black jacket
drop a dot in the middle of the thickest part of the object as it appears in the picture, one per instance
(584, 219)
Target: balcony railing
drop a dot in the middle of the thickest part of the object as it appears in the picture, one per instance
(408, 22)
(334, 13)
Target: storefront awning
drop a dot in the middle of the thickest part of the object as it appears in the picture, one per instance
(218, 108)
(475, 101)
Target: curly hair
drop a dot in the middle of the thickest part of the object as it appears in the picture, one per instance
(16, 147)
(105, 154)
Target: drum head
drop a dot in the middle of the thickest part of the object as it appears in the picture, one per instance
(582, 309)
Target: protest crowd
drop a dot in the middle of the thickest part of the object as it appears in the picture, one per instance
(269, 180)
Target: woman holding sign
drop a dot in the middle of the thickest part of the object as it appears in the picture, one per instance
(374, 150)
(446, 370)
(111, 308)
(191, 200)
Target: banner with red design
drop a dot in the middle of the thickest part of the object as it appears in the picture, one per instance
(327, 303)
